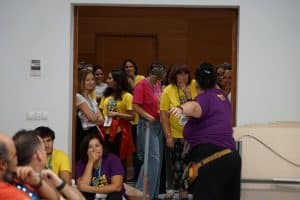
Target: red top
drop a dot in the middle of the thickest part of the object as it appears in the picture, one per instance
(147, 97)
(8, 192)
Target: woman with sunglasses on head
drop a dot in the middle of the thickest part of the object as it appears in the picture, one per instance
(146, 103)
(209, 134)
(88, 113)
(180, 90)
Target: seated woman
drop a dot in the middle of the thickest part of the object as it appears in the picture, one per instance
(99, 171)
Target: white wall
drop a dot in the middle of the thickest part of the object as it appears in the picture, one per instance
(267, 60)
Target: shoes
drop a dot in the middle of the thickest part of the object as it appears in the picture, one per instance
(169, 195)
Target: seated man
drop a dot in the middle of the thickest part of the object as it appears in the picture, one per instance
(8, 164)
(57, 160)
(32, 158)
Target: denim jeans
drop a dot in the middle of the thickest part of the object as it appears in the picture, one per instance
(154, 157)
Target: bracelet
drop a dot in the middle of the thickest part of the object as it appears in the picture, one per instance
(39, 184)
(181, 108)
(61, 185)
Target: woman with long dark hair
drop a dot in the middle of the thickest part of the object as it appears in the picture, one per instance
(99, 171)
(116, 106)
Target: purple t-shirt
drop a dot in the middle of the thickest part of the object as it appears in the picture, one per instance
(214, 126)
(110, 166)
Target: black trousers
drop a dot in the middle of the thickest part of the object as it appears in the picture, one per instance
(219, 179)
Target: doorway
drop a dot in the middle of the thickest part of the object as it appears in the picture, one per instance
(108, 35)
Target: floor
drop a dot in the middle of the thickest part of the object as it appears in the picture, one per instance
(273, 193)
(263, 192)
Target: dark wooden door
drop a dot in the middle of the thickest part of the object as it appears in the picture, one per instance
(112, 49)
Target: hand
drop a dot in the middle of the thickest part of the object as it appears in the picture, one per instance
(170, 142)
(151, 119)
(51, 178)
(92, 156)
(175, 111)
(112, 114)
(27, 175)
(100, 118)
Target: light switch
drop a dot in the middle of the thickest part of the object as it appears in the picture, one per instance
(44, 115)
(30, 115)
(38, 115)
(35, 68)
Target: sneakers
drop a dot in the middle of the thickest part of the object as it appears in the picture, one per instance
(169, 195)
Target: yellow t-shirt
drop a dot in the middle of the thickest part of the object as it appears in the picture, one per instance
(109, 103)
(171, 98)
(58, 161)
(138, 78)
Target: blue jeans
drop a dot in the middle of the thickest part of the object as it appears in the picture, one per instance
(154, 158)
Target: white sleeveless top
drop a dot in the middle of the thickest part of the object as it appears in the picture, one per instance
(92, 104)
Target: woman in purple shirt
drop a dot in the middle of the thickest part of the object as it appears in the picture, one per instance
(99, 171)
(208, 131)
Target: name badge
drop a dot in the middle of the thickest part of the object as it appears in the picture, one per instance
(183, 120)
(107, 121)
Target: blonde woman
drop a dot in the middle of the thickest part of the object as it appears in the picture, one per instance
(88, 113)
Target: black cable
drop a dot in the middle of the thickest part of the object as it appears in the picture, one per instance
(268, 147)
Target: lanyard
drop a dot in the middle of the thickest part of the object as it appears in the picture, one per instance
(99, 171)
(182, 99)
(96, 180)
(49, 162)
(112, 104)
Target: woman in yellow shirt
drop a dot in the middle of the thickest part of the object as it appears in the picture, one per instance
(181, 89)
(131, 69)
(116, 106)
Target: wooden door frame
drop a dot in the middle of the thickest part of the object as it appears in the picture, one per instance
(234, 63)
(75, 84)
(234, 54)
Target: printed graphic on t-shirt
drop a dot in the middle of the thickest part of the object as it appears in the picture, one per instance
(112, 105)
(99, 181)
